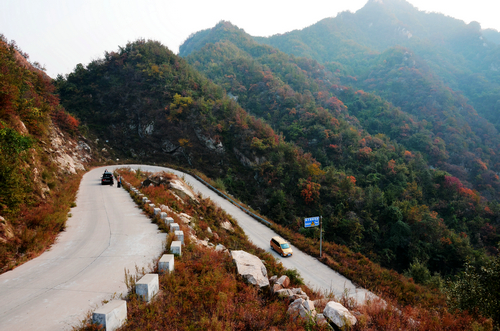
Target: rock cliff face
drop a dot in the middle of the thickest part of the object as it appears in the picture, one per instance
(71, 154)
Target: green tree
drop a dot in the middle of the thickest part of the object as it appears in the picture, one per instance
(477, 289)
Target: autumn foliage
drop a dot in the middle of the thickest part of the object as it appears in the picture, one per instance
(65, 121)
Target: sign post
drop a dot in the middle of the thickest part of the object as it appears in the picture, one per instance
(320, 234)
(315, 221)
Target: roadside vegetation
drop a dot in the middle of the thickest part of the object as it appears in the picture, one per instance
(203, 291)
(35, 195)
(35, 227)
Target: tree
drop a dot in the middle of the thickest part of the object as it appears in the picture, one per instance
(477, 289)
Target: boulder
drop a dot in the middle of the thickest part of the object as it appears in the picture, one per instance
(173, 182)
(227, 225)
(273, 279)
(292, 294)
(166, 209)
(276, 288)
(220, 248)
(251, 268)
(185, 218)
(339, 315)
(302, 308)
(298, 293)
(181, 189)
(284, 281)
(6, 231)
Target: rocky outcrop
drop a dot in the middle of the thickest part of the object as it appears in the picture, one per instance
(280, 283)
(227, 226)
(293, 294)
(182, 189)
(6, 231)
(302, 308)
(339, 315)
(284, 281)
(251, 268)
(211, 144)
(70, 155)
(174, 183)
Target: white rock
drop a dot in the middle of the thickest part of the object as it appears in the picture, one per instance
(227, 225)
(251, 268)
(302, 308)
(185, 218)
(339, 315)
(181, 189)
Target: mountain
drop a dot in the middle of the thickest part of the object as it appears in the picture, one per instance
(461, 56)
(412, 186)
(378, 194)
(359, 135)
(40, 145)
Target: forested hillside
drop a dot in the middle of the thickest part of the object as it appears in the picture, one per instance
(401, 165)
(390, 184)
(461, 56)
(34, 201)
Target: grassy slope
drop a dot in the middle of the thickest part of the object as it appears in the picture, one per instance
(33, 199)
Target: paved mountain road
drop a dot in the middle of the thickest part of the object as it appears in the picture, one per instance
(85, 266)
(106, 234)
(317, 275)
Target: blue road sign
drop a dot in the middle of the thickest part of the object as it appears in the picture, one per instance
(311, 221)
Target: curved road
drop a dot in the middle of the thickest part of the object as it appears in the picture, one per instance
(85, 266)
(106, 234)
(317, 275)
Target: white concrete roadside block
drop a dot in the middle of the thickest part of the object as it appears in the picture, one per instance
(166, 263)
(157, 211)
(179, 235)
(147, 202)
(147, 287)
(174, 227)
(163, 215)
(176, 247)
(141, 195)
(169, 220)
(112, 315)
(152, 206)
(144, 199)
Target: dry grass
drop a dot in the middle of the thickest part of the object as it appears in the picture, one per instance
(36, 227)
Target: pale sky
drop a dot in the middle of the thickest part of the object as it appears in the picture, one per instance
(59, 34)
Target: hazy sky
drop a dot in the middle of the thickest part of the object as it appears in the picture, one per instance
(59, 34)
